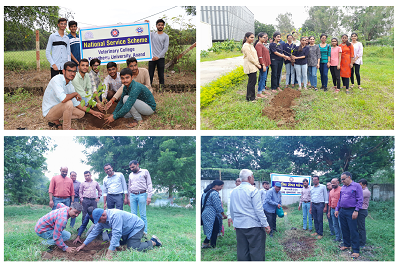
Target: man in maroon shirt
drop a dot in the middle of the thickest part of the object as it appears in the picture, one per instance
(61, 189)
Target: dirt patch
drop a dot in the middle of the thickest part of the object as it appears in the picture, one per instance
(93, 251)
(280, 107)
(299, 247)
(33, 80)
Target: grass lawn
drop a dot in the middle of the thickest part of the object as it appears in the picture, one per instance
(370, 109)
(222, 55)
(174, 226)
(289, 245)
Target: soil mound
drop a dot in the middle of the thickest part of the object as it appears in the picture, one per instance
(93, 251)
(93, 122)
(299, 248)
(280, 109)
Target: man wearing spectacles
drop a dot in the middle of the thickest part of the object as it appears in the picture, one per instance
(60, 100)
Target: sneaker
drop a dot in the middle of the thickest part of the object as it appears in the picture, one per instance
(156, 240)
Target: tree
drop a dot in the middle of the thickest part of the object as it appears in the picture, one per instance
(323, 19)
(24, 164)
(190, 10)
(285, 23)
(372, 21)
(170, 160)
(261, 27)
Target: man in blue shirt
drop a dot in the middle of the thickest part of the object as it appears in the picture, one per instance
(273, 199)
(74, 42)
(319, 205)
(123, 224)
(248, 219)
(60, 100)
(58, 49)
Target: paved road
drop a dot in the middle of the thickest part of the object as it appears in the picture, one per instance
(211, 70)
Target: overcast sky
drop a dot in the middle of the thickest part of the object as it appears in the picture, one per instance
(268, 14)
(68, 153)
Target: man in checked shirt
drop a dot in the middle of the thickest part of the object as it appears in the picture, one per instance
(141, 190)
(51, 226)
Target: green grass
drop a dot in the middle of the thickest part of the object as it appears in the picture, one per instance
(174, 226)
(380, 238)
(24, 60)
(370, 109)
(221, 55)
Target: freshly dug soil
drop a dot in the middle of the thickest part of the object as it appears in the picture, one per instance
(93, 251)
(299, 247)
(280, 108)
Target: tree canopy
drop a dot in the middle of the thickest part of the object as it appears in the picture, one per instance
(261, 27)
(285, 23)
(302, 155)
(171, 161)
(24, 164)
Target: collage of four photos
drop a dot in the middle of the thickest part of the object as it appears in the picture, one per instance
(198, 133)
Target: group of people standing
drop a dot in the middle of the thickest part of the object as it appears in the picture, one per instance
(253, 212)
(302, 58)
(68, 198)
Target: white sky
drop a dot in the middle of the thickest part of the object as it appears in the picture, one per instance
(68, 153)
(268, 14)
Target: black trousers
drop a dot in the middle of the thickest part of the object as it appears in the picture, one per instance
(160, 64)
(115, 201)
(135, 242)
(54, 72)
(335, 72)
(318, 216)
(362, 214)
(355, 68)
(276, 70)
(250, 244)
(271, 219)
(251, 86)
(214, 234)
(86, 203)
(345, 83)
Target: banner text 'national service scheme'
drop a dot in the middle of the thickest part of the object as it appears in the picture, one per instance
(116, 43)
(291, 184)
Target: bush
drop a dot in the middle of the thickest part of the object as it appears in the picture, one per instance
(211, 91)
(227, 46)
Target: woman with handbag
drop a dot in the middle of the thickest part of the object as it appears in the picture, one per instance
(212, 213)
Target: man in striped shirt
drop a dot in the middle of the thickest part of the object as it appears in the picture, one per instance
(51, 226)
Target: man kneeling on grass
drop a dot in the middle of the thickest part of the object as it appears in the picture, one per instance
(137, 100)
(51, 226)
(123, 224)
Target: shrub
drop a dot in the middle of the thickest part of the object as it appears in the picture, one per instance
(209, 92)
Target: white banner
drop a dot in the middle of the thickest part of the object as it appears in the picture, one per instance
(291, 184)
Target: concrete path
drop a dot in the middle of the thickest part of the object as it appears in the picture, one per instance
(211, 70)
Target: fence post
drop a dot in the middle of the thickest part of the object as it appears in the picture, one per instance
(37, 51)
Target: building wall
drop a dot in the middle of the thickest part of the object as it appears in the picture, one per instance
(205, 36)
(228, 22)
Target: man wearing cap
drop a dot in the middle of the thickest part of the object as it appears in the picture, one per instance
(273, 200)
(319, 205)
(248, 219)
(350, 202)
(123, 224)
(51, 226)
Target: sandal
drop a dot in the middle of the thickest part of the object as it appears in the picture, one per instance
(206, 245)
(344, 248)
(355, 255)
(51, 124)
(337, 91)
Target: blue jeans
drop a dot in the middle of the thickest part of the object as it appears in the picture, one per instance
(312, 75)
(330, 224)
(289, 73)
(57, 200)
(349, 229)
(262, 78)
(336, 225)
(72, 222)
(306, 212)
(301, 74)
(139, 201)
(48, 236)
(323, 71)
